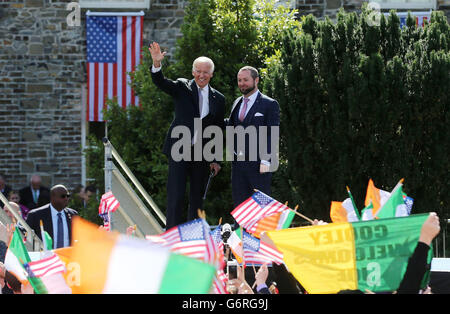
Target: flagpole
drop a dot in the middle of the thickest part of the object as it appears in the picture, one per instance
(243, 255)
(254, 270)
(303, 216)
(353, 203)
(44, 240)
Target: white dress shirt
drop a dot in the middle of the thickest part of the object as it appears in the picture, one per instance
(55, 227)
(205, 105)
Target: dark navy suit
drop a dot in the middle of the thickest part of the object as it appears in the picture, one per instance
(185, 96)
(245, 175)
(44, 213)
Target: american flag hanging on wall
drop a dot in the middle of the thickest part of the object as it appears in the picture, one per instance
(113, 49)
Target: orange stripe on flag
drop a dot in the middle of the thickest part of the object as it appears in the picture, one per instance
(90, 241)
(372, 194)
(338, 212)
(267, 223)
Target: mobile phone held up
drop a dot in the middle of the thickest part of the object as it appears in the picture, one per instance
(232, 269)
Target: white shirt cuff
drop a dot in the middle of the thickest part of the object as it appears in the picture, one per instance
(154, 70)
(265, 162)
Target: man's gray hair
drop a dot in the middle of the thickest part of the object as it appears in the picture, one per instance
(203, 59)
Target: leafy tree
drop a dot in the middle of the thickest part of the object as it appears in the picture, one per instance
(359, 102)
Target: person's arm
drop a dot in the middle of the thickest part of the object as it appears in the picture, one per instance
(244, 287)
(166, 85)
(417, 263)
(260, 280)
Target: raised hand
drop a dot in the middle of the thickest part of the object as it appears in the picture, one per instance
(6, 232)
(430, 229)
(157, 55)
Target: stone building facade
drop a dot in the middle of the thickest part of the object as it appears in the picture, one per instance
(43, 73)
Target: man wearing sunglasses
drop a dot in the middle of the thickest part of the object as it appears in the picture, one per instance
(56, 217)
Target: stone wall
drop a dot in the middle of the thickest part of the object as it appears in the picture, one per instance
(163, 21)
(42, 69)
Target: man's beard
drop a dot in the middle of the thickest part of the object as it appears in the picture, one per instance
(247, 90)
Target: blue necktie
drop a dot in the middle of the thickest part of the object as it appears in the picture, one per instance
(35, 198)
(60, 238)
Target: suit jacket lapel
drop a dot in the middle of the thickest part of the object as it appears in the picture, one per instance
(253, 109)
(212, 101)
(30, 195)
(48, 222)
(236, 103)
(194, 95)
(69, 224)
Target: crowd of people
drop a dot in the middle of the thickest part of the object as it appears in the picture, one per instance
(35, 203)
(193, 100)
(275, 279)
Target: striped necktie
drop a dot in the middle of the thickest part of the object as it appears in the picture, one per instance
(200, 101)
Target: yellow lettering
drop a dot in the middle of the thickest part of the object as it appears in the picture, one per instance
(328, 237)
(315, 236)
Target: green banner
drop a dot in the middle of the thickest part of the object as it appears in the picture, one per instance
(383, 248)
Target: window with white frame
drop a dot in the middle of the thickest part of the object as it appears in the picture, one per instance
(115, 4)
(406, 4)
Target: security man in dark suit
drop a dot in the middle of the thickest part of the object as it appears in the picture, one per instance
(34, 195)
(193, 99)
(253, 161)
(56, 217)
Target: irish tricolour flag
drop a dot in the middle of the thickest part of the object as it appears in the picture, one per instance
(112, 263)
(16, 256)
(361, 255)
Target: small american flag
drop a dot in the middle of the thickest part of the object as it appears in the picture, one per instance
(257, 252)
(191, 238)
(216, 235)
(220, 282)
(108, 205)
(409, 201)
(256, 207)
(45, 267)
(114, 46)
